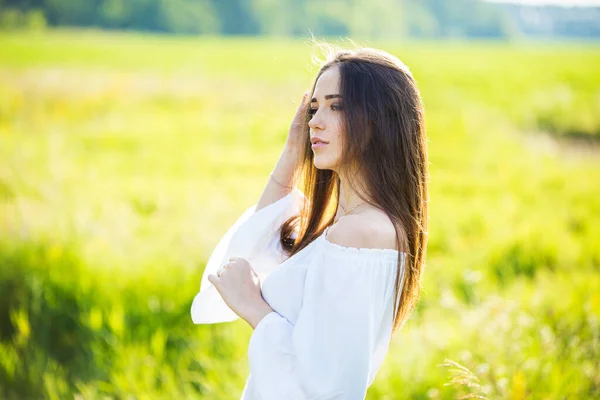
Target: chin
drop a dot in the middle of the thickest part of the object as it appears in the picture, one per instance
(321, 163)
(318, 163)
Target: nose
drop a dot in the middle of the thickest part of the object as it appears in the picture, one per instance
(315, 123)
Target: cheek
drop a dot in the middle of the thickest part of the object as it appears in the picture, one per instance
(339, 126)
(335, 149)
(339, 132)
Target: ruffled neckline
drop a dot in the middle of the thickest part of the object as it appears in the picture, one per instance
(391, 254)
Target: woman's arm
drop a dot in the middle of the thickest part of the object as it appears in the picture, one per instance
(284, 169)
(283, 173)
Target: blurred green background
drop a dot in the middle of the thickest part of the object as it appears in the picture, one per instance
(124, 157)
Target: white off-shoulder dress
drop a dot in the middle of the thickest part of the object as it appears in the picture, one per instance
(332, 320)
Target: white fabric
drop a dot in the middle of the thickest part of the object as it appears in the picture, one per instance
(254, 237)
(332, 320)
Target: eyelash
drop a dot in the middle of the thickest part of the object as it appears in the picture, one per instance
(312, 111)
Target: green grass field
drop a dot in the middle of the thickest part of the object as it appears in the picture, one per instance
(125, 157)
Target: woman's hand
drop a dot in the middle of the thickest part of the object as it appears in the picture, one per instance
(298, 125)
(239, 286)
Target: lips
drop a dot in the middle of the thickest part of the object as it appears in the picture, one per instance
(316, 140)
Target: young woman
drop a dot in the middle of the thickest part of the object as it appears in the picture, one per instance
(327, 266)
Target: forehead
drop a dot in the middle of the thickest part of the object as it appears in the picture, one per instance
(328, 82)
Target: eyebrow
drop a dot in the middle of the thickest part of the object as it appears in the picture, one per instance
(327, 97)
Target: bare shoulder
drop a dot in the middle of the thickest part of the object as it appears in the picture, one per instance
(368, 230)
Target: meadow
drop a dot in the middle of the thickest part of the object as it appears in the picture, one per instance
(124, 158)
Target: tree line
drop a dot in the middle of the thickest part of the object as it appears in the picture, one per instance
(374, 19)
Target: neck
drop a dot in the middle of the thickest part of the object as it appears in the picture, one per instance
(348, 198)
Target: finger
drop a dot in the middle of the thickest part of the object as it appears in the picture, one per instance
(306, 99)
(214, 279)
(303, 107)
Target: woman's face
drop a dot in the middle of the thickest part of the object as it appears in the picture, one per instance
(325, 112)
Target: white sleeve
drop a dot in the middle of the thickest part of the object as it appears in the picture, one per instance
(344, 324)
(255, 237)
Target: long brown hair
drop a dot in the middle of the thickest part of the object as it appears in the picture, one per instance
(384, 142)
